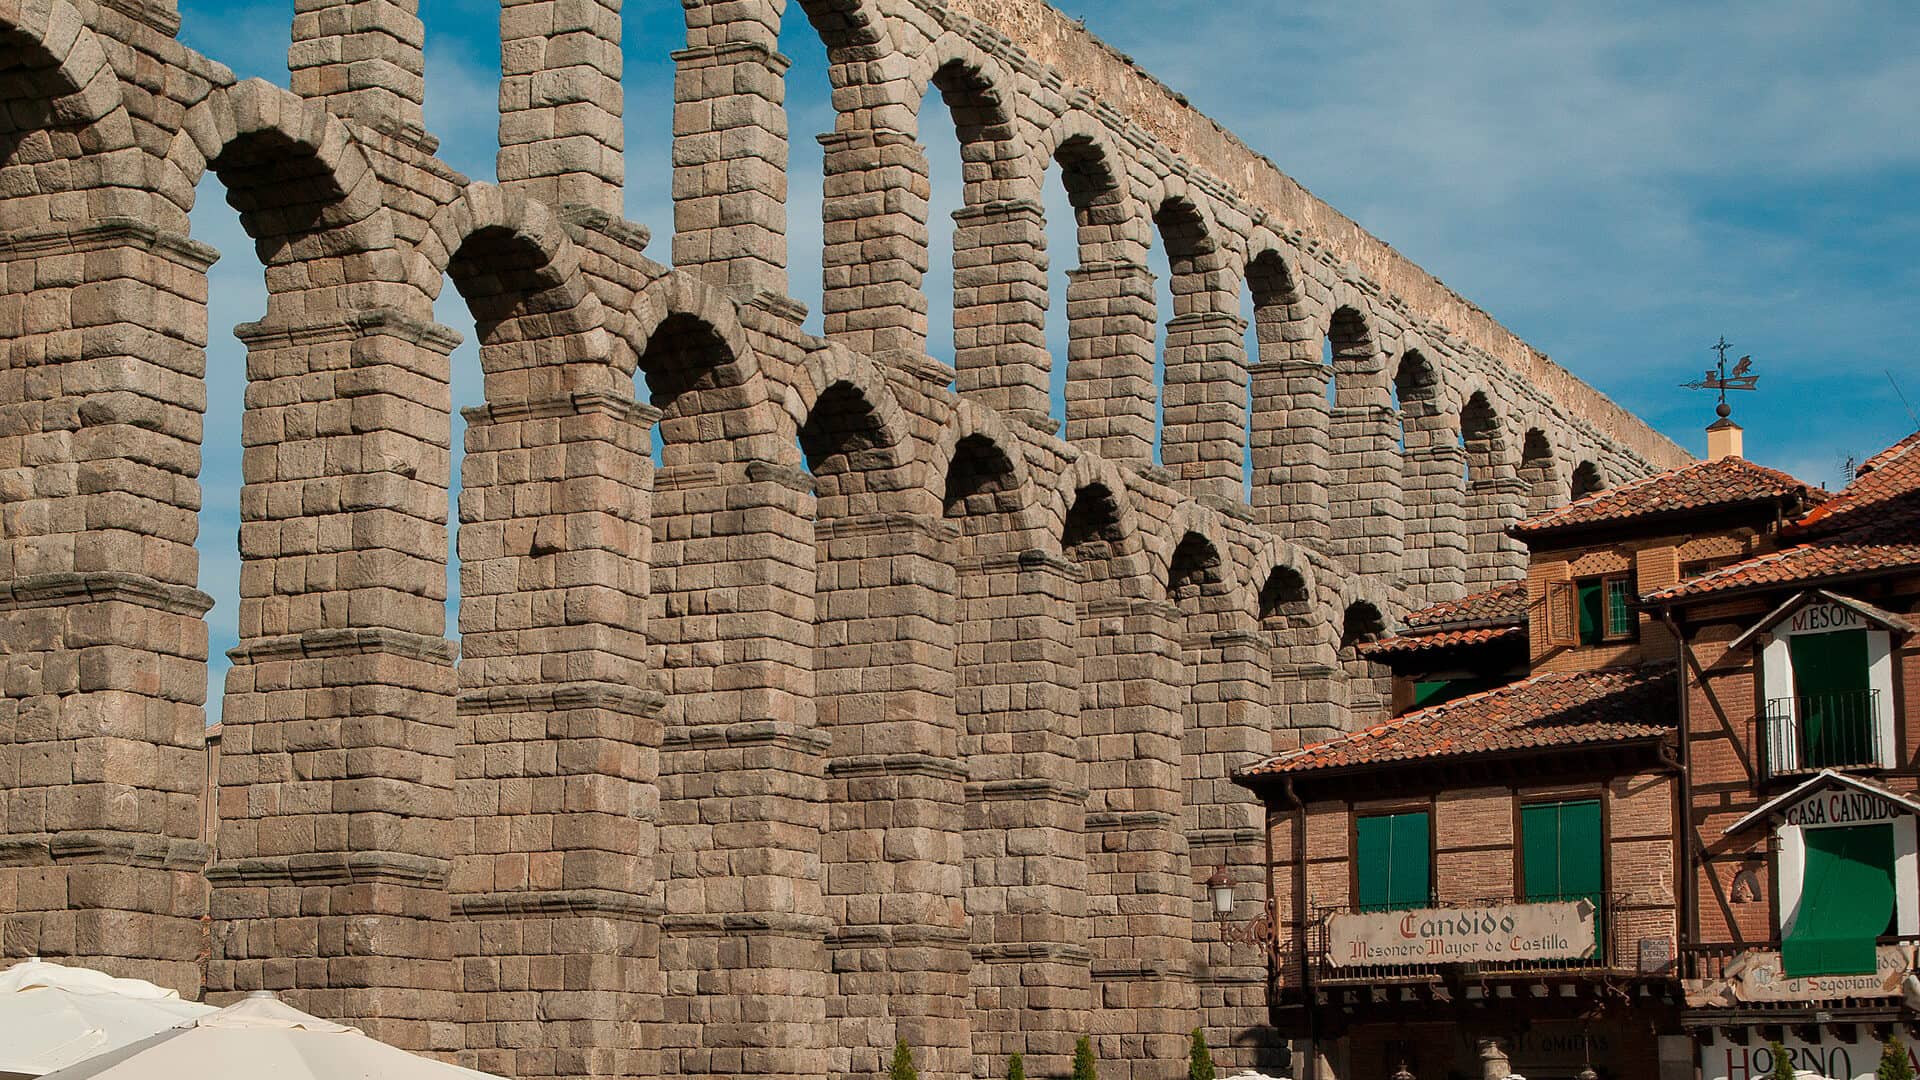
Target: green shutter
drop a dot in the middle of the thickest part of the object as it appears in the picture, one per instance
(1560, 849)
(1412, 885)
(1373, 858)
(1540, 851)
(1830, 685)
(1395, 868)
(1846, 901)
(1430, 692)
(1561, 854)
(1592, 607)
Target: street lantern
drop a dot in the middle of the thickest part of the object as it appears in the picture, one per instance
(1220, 886)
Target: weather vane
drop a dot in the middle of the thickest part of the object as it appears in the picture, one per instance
(1740, 378)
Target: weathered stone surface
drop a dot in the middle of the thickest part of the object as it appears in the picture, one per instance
(871, 710)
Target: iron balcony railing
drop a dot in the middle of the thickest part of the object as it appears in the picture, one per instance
(1831, 730)
(1327, 973)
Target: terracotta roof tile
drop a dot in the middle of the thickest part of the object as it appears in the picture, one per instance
(1872, 526)
(1442, 639)
(1502, 604)
(1701, 485)
(1892, 475)
(1570, 708)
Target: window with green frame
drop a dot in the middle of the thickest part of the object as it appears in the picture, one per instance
(1393, 859)
(1561, 852)
(1603, 607)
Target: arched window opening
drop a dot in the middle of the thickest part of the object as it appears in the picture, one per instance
(1587, 480)
(1537, 471)
(980, 481)
(1348, 352)
(1092, 528)
(236, 294)
(1479, 437)
(1370, 684)
(1271, 305)
(809, 114)
(1284, 598)
(1085, 216)
(1176, 262)
(1415, 394)
(959, 170)
(1333, 379)
(1195, 571)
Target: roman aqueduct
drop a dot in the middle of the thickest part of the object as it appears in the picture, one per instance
(882, 705)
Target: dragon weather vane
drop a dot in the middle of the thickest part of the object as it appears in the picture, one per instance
(1740, 378)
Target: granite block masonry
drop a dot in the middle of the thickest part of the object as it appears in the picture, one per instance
(881, 704)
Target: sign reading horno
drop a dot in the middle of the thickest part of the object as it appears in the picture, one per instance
(1469, 935)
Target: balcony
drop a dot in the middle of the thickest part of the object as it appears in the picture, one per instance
(1425, 958)
(1810, 732)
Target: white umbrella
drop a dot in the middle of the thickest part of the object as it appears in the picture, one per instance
(52, 1016)
(262, 1036)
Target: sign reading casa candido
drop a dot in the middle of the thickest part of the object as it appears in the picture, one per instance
(1561, 930)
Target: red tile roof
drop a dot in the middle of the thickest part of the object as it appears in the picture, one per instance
(1556, 709)
(1873, 526)
(1502, 604)
(1699, 486)
(1890, 476)
(1441, 639)
(1497, 614)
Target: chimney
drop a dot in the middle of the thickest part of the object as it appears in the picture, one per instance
(1723, 438)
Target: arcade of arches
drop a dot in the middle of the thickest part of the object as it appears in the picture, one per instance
(889, 700)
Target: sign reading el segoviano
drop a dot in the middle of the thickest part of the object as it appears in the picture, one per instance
(1560, 930)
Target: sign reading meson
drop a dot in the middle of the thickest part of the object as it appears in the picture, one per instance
(1552, 931)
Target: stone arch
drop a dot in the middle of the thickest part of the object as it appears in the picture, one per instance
(1496, 495)
(978, 91)
(542, 330)
(1354, 347)
(703, 375)
(1087, 471)
(285, 160)
(853, 435)
(1483, 436)
(1273, 281)
(1539, 471)
(1588, 479)
(1094, 172)
(61, 80)
(856, 29)
(1110, 297)
(1195, 519)
(979, 469)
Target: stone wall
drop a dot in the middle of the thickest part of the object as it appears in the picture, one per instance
(873, 709)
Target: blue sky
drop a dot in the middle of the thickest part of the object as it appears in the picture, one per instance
(1620, 184)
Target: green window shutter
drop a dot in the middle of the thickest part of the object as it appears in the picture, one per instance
(1592, 606)
(1846, 901)
(1412, 885)
(1540, 851)
(1430, 692)
(1830, 685)
(1560, 850)
(1373, 858)
(1395, 868)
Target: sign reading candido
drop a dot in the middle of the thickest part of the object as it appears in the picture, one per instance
(1562, 930)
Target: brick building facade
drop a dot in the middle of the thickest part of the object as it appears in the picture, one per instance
(880, 703)
(1698, 696)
